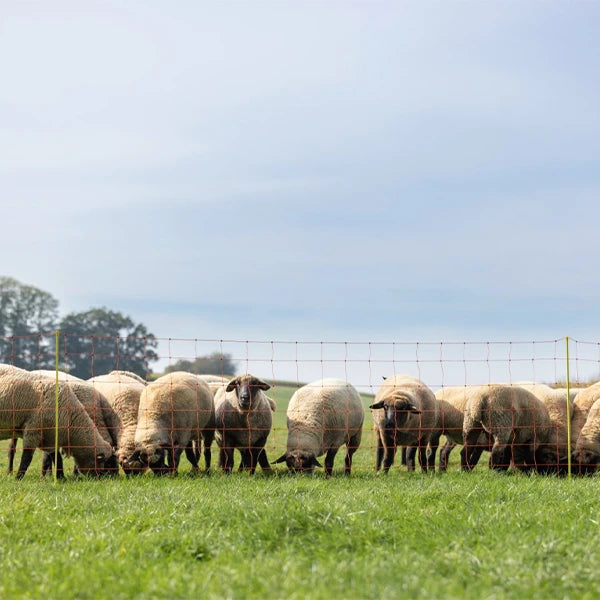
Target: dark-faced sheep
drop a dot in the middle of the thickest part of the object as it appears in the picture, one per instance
(406, 413)
(243, 421)
(321, 417)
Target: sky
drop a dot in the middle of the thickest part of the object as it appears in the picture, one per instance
(303, 171)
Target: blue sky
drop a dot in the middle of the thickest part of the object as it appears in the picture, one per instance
(307, 171)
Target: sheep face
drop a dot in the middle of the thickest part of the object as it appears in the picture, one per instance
(586, 460)
(299, 461)
(246, 387)
(397, 409)
(97, 466)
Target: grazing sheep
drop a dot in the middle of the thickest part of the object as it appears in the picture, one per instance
(27, 410)
(175, 411)
(554, 456)
(123, 394)
(243, 417)
(321, 416)
(587, 449)
(518, 423)
(99, 410)
(406, 413)
(453, 403)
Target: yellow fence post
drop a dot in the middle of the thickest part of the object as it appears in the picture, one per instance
(568, 412)
(56, 391)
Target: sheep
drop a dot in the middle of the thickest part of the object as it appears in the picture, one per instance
(321, 416)
(100, 412)
(175, 410)
(583, 403)
(555, 455)
(587, 448)
(406, 413)
(518, 423)
(123, 393)
(243, 417)
(453, 402)
(27, 410)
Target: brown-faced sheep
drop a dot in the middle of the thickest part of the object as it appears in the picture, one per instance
(453, 403)
(27, 410)
(321, 417)
(175, 411)
(243, 417)
(123, 394)
(516, 420)
(406, 413)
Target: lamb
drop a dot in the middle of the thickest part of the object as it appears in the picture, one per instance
(175, 411)
(406, 413)
(27, 410)
(587, 448)
(453, 402)
(123, 393)
(243, 417)
(518, 423)
(321, 416)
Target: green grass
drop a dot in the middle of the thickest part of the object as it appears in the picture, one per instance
(453, 535)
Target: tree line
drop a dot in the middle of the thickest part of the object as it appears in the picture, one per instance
(91, 342)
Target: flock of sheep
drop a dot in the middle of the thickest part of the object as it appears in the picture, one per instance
(120, 420)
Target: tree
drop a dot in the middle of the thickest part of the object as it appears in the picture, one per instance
(28, 318)
(100, 340)
(215, 364)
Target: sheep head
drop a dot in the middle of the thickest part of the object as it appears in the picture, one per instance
(299, 461)
(246, 388)
(398, 408)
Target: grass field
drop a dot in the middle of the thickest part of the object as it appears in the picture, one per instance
(456, 535)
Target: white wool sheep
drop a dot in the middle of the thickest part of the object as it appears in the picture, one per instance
(555, 459)
(175, 411)
(321, 417)
(587, 449)
(27, 410)
(243, 418)
(123, 393)
(517, 421)
(406, 413)
(453, 403)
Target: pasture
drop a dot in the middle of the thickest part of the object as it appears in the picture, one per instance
(477, 535)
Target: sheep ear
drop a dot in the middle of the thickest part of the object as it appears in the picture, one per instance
(262, 385)
(377, 405)
(231, 385)
(316, 463)
(279, 460)
(383, 377)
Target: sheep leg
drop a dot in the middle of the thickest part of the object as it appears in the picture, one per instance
(389, 451)
(26, 457)
(444, 454)
(380, 451)
(329, 458)
(434, 444)
(403, 455)
(255, 453)
(500, 457)
(192, 456)
(422, 456)
(226, 456)
(522, 456)
(173, 458)
(263, 461)
(48, 461)
(471, 450)
(351, 448)
(246, 460)
(411, 452)
(208, 435)
(12, 450)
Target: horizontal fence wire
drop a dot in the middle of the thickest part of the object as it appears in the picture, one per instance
(124, 406)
